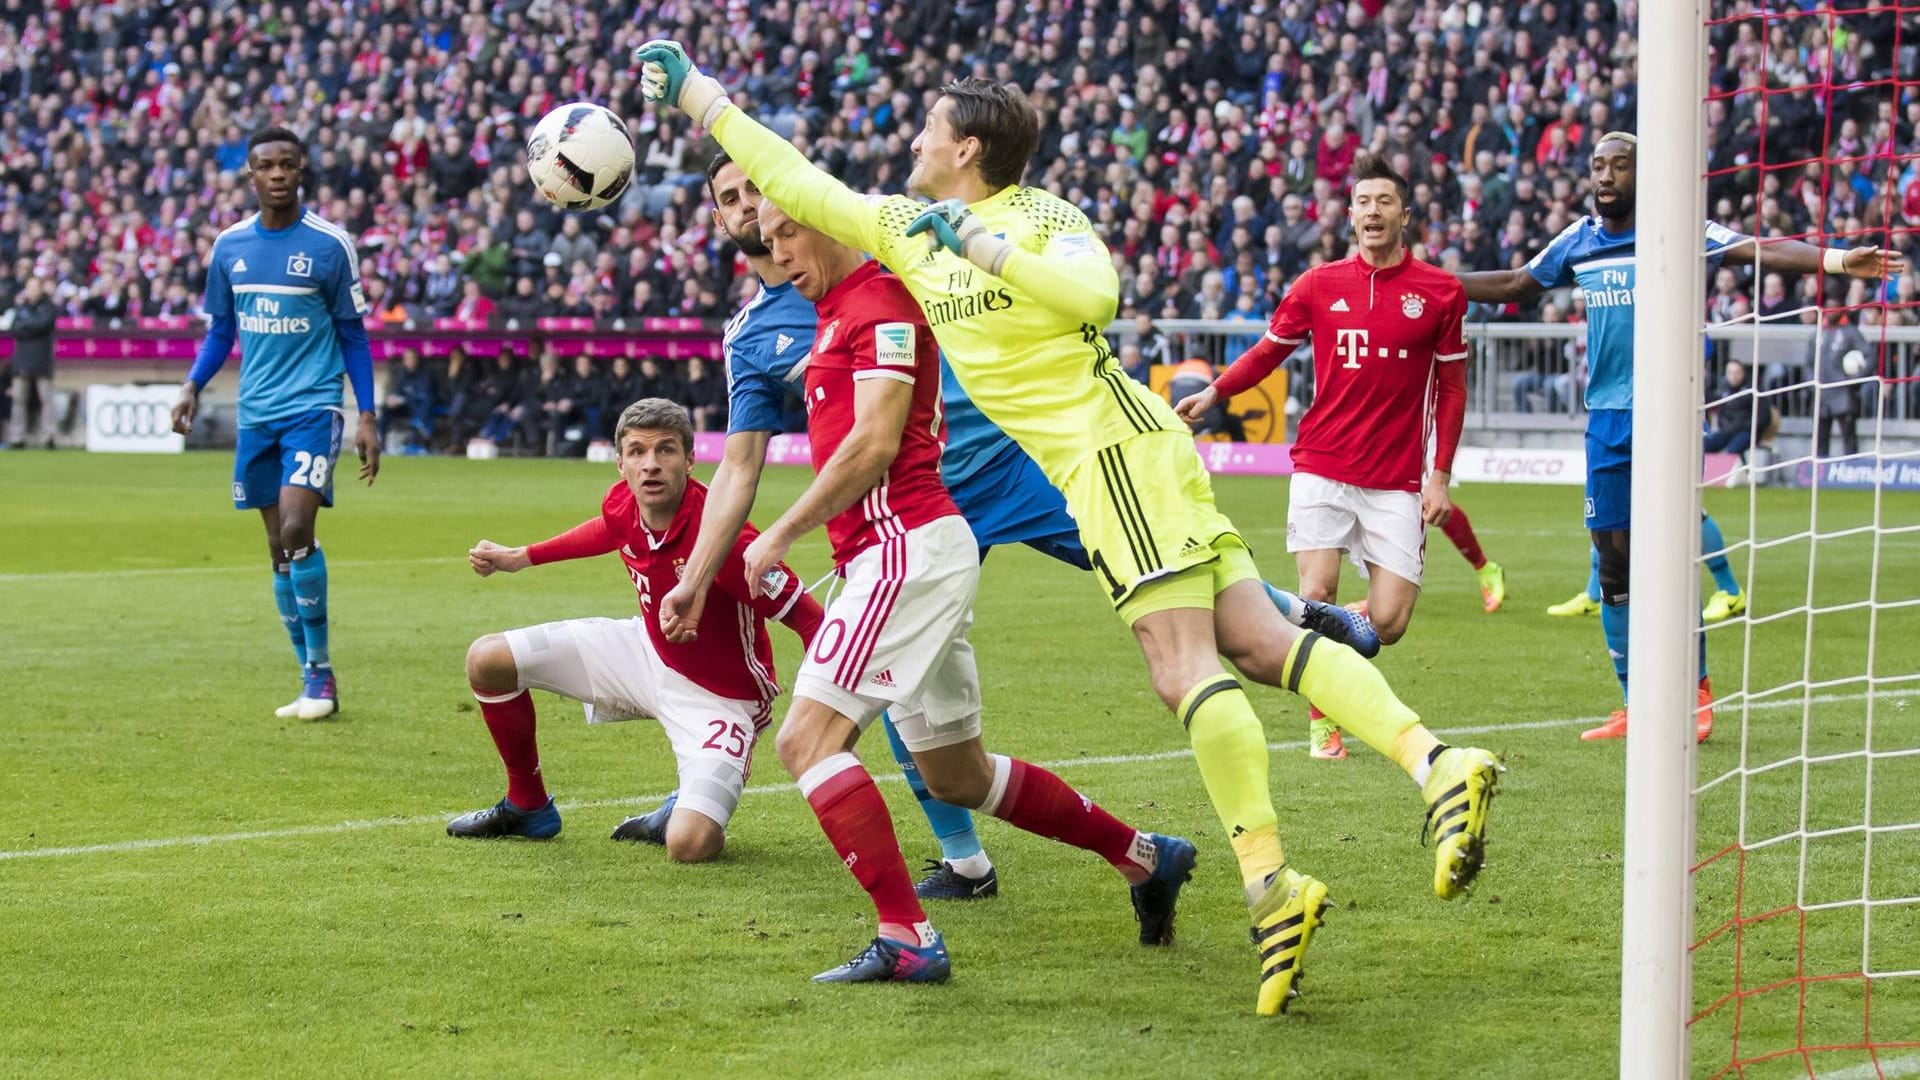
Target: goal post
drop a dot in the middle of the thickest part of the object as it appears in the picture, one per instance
(1657, 908)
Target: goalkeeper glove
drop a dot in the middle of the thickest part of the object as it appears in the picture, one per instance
(668, 76)
(949, 224)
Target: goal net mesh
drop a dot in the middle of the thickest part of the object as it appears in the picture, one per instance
(1806, 865)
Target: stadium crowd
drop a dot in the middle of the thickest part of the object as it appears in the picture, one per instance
(1209, 143)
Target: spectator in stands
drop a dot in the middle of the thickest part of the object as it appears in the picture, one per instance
(1154, 346)
(1840, 393)
(528, 246)
(442, 288)
(655, 381)
(706, 397)
(587, 395)
(521, 308)
(34, 315)
(1733, 415)
(623, 389)
(507, 391)
(412, 398)
(474, 306)
(465, 406)
(572, 245)
(552, 400)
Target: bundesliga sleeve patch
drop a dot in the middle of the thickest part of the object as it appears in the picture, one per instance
(1070, 245)
(893, 344)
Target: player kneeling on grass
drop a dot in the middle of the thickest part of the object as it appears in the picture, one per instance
(896, 636)
(713, 695)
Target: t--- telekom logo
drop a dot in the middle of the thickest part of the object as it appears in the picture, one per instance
(1351, 346)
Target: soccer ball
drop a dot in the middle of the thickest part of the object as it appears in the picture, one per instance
(580, 156)
(1854, 363)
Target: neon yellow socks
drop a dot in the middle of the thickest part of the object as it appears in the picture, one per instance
(1356, 696)
(1231, 750)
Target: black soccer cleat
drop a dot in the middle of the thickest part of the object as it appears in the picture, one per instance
(1335, 623)
(1153, 899)
(893, 961)
(505, 819)
(946, 883)
(650, 827)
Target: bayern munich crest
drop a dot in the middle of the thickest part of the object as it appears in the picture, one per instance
(1412, 306)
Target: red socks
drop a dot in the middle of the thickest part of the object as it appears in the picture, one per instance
(855, 819)
(1460, 531)
(509, 720)
(1031, 798)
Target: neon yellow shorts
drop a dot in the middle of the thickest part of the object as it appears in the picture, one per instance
(1152, 532)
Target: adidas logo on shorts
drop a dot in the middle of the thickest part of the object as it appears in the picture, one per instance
(883, 679)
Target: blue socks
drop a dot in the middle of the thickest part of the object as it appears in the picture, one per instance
(309, 579)
(1593, 573)
(1289, 604)
(952, 825)
(1613, 622)
(1713, 545)
(289, 612)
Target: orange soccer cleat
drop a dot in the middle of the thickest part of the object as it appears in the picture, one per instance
(1616, 725)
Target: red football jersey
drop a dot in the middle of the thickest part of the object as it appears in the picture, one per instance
(870, 328)
(731, 657)
(1378, 339)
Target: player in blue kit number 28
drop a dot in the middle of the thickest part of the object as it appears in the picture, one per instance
(286, 284)
(1003, 495)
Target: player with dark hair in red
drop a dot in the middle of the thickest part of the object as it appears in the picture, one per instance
(1388, 382)
(895, 636)
(713, 695)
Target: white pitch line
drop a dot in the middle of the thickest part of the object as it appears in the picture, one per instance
(245, 568)
(156, 843)
(1906, 1066)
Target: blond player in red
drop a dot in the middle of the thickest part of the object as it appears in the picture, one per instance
(895, 635)
(1389, 382)
(713, 695)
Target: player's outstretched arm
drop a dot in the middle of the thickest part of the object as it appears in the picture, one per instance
(781, 172)
(1501, 286)
(585, 540)
(1073, 277)
(1797, 257)
(729, 498)
(879, 416)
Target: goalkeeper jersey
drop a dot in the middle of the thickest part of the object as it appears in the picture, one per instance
(1027, 345)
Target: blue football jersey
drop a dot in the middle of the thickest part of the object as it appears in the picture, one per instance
(284, 289)
(763, 346)
(1601, 264)
(973, 442)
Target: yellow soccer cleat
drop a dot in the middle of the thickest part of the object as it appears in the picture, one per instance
(1493, 586)
(1283, 924)
(1581, 604)
(1724, 605)
(1459, 791)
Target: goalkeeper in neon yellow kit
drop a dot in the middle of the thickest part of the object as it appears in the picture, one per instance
(1018, 289)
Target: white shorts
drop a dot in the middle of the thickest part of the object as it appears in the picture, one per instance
(1383, 528)
(896, 638)
(611, 665)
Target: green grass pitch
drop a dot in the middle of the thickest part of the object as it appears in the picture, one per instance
(220, 893)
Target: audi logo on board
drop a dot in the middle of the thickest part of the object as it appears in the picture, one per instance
(114, 417)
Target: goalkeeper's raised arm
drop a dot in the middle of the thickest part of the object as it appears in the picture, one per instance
(809, 196)
(975, 146)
